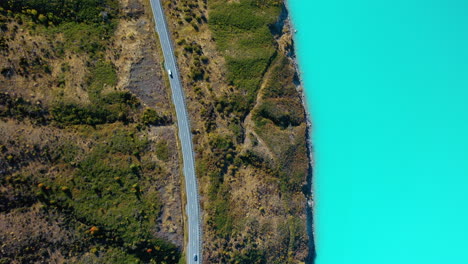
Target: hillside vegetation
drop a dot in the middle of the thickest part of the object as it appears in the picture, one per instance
(89, 167)
(249, 128)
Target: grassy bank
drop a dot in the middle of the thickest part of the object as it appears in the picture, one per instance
(242, 34)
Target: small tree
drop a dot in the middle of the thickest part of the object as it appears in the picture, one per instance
(42, 19)
(151, 117)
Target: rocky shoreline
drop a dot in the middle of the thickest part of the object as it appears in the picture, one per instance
(289, 31)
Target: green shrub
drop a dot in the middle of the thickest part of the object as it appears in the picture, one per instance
(103, 73)
(107, 192)
(188, 18)
(220, 143)
(17, 107)
(120, 97)
(108, 108)
(127, 143)
(73, 114)
(88, 11)
(283, 112)
(151, 117)
(204, 59)
(281, 79)
(65, 152)
(222, 221)
(196, 73)
(43, 19)
(162, 150)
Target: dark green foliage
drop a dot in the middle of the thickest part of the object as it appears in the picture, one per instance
(3, 45)
(127, 143)
(87, 25)
(17, 107)
(29, 65)
(215, 167)
(222, 221)
(281, 81)
(151, 117)
(15, 193)
(108, 193)
(73, 114)
(65, 152)
(90, 11)
(220, 143)
(103, 73)
(110, 108)
(220, 217)
(162, 151)
(249, 157)
(196, 73)
(188, 18)
(113, 219)
(193, 48)
(120, 98)
(233, 103)
(223, 149)
(281, 106)
(283, 112)
(204, 59)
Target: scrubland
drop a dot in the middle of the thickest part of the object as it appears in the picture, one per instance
(89, 167)
(249, 128)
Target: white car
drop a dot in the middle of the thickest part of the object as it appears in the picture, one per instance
(170, 73)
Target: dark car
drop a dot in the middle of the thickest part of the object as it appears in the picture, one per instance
(195, 257)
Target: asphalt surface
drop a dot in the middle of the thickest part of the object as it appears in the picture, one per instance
(191, 186)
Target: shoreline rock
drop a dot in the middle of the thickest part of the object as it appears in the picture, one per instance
(288, 37)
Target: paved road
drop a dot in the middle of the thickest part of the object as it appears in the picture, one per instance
(192, 209)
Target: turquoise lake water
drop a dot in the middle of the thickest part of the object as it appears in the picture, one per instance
(387, 88)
